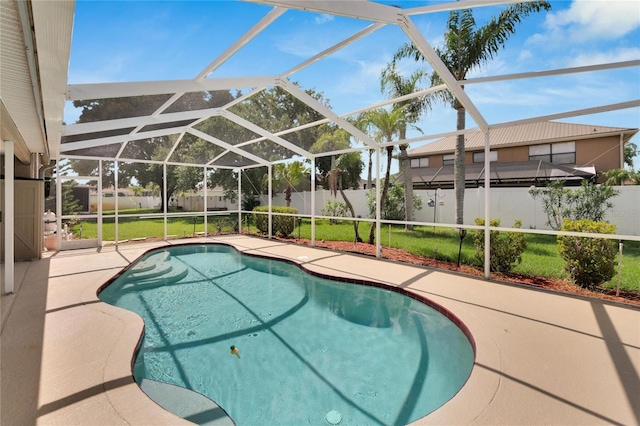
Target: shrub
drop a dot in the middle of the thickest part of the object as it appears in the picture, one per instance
(506, 248)
(589, 261)
(283, 225)
(335, 208)
(589, 202)
(393, 207)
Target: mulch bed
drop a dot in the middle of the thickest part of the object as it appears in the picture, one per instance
(554, 284)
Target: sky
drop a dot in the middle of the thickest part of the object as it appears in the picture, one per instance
(117, 41)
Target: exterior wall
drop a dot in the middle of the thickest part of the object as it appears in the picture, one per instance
(603, 153)
(513, 154)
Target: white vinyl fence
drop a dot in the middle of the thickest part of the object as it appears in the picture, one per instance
(507, 204)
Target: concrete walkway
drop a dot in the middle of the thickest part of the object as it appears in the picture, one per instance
(542, 358)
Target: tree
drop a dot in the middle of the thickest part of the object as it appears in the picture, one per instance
(190, 149)
(344, 170)
(590, 202)
(274, 110)
(467, 47)
(334, 140)
(393, 206)
(394, 85)
(620, 176)
(346, 162)
(384, 125)
(287, 176)
(630, 151)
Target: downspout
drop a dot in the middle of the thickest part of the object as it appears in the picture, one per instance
(622, 150)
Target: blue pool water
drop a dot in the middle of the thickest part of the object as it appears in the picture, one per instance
(310, 350)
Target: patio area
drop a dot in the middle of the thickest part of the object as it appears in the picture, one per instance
(542, 358)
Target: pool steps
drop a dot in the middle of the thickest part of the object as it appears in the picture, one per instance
(157, 268)
(185, 403)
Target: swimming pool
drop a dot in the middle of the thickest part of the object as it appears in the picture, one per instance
(309, 350)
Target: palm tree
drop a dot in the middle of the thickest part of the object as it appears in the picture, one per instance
(384, 126)
(287, 176)
(345, 165)
(620, 176)
(630, 151)
(394, 85)
(467, 47)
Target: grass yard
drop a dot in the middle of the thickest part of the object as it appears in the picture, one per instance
(541, 257)
(136, 227)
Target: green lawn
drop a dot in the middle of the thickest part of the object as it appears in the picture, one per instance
(541, 257)
(135, 227)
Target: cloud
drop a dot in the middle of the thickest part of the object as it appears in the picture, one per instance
(594, 20)
(303, 45)
(321, 19)
(617, 55)
(365, 80)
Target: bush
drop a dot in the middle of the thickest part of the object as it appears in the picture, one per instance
(283, 225)
(589, 202)
(335, 208)
(589, 261)
(393, 207)
(506, 248)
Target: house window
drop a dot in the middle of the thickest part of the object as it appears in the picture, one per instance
(557, 153)
(419, 162)
(448, 159)
(478, 157)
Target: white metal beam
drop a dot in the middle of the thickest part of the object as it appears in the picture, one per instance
(228, 146)
(313, 103)
(359, 9)
(357, 36)
(173, 148)
(217, 157)
(462, 4)
(259, 130)
(398, 99)
(547, 73)
(432, 57)
(141, 88)
(90, 143)
(123, 123)
(253, 31)
(569, 114)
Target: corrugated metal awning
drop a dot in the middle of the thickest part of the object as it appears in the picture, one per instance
(524, 173)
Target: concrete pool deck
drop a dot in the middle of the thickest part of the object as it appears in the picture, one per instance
(542, 358)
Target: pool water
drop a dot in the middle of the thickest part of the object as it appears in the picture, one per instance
(309, 350)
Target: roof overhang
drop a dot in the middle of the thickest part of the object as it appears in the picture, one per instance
(34, 57)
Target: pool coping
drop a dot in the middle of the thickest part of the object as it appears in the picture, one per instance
(541, 358)
(370, 283)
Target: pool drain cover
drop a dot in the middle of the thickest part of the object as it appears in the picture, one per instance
(333, 417)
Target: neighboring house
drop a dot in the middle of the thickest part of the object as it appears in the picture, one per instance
(524, 155)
